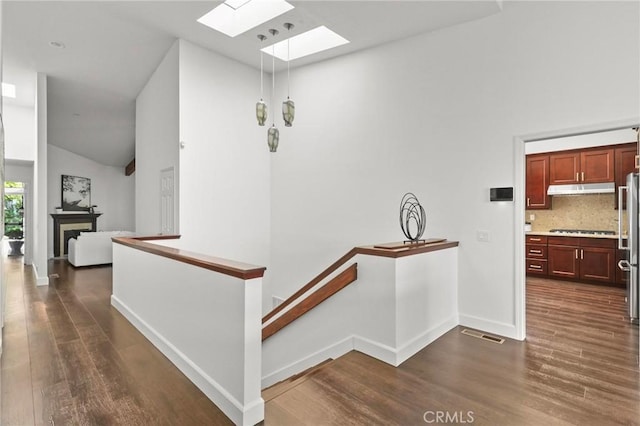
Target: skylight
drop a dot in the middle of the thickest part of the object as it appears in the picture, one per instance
(313, 41)
(234, 17)
(8, 90)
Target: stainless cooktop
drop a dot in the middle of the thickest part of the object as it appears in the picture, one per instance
(582, 231)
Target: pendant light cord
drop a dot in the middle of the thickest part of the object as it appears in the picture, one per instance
(288, 61)
(273, 77)
(262, 38)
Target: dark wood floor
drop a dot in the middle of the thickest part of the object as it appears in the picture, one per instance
(579, 365)
(72, 359)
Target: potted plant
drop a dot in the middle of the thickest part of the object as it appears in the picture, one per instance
(15, 235)
(13, 223)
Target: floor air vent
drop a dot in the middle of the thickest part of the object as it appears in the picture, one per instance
(481, 335)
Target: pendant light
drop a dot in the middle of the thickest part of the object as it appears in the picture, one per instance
(288, 106)
(261, 107)
(273, 135)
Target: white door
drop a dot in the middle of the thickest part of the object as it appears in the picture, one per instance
(167, 202)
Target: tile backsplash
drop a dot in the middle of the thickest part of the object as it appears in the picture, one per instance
(596, 211)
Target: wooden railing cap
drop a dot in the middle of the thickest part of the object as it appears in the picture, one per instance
(232, 268)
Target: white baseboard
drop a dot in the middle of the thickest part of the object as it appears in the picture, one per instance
(396, 357)
(376, 350)
(369, 347)
(421, 341)
(332, 351)
(488, 326)
(249, 414)
(40, 281)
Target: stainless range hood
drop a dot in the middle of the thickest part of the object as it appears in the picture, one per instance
(582, 189)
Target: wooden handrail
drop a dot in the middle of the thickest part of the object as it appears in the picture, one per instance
(336, 284)
(224, 266)
(324, 274)
(409, 250)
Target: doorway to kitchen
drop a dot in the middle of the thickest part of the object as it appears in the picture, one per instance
(571, 221)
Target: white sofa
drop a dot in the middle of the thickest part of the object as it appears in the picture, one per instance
(93, 248)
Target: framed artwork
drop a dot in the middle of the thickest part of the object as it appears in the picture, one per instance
(76, 193)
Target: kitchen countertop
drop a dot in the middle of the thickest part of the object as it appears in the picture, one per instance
(557, 234)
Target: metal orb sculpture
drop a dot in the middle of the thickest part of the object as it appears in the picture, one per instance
(412, 213)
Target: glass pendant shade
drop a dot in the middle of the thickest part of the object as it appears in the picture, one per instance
(288, 106)
(288, 112)
(261, 112)
(273, 137)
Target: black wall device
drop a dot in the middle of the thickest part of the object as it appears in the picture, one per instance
(502, 194)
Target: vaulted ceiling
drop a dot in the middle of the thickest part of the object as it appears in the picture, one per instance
(112, 47)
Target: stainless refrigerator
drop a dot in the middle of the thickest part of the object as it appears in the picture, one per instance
(630, 264)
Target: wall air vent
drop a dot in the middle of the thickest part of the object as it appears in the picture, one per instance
(481, 335)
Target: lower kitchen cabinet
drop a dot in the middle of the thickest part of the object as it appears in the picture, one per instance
(598, 264)
(563, 261)
(589, 259)
(536, 255)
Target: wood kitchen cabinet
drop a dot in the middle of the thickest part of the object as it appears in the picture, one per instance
(582, 166)
(598, 264)
(590, 259)
(625, 163)
(563, 257)
(537, 182)
(536, 254)
(564, 168)
(597, 165)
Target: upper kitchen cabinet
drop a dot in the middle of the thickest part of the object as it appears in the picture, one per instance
(537, 182)
(564, 168)
(584, 166)
(597, 165)
(625, 158)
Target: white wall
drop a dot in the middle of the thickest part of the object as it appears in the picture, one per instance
(208, 324)
(225, 165)
(20, 132)
(156, 140)
(582, 141)
(395, 308)
(2, 278)
(111, 190)
(40, 256)
(436, 114)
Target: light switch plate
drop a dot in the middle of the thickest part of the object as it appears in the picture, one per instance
(483, 236)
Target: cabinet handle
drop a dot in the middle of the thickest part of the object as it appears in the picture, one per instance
(535, 251)
(535, 239)
(528, 201)
(535, 267)
(577, 177)
(581, 254)
(583, 176)
(576, 253)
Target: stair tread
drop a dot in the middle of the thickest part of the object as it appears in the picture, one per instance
(279, 388)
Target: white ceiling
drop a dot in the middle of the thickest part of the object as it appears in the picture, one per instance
(112, 47)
